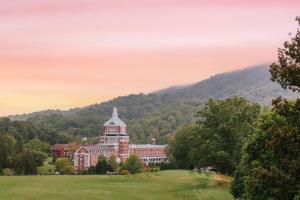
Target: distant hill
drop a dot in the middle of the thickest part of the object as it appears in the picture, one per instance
(160, 113)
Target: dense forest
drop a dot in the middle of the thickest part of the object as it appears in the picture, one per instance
(157, 114)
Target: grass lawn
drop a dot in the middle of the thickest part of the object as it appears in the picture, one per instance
(161, 185)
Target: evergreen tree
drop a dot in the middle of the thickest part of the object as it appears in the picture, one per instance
(102, 165)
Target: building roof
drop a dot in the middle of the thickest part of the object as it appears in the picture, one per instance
(98, 147)
(137, 146)
(60, 146)
(115, 120)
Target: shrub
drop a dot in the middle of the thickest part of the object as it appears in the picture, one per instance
(92, 170)
(133, 164)
(124, 172)
(154, 169)
(7, 172)
(168, 166)
(63, 166)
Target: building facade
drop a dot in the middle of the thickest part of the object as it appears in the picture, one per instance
(60, 150)
(115, 141)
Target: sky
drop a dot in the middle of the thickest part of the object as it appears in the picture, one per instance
(60, 54)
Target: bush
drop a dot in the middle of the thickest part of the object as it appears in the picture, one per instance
(124, 172)
(154, 169)
(7, 172)
(146, 169)
(63, 166)
(84, 172)
(133, 164)
(168, 166)
(92, 170)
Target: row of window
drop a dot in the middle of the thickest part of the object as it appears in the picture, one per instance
(153, 159)
(102, 151)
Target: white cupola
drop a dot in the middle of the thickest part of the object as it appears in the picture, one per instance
(115, 126)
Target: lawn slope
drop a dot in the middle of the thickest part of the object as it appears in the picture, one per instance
(162, 185)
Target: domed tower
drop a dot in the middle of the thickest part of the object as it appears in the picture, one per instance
(114, 133)
(114, 126)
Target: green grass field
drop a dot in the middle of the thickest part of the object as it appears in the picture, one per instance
(161, 185)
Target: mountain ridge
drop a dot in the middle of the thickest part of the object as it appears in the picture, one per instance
(160, 113)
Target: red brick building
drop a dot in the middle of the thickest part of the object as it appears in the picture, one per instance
(115, 141)
(62, 151)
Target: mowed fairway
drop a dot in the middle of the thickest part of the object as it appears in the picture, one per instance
(161, 185)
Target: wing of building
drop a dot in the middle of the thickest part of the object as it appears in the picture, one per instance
(115, 141)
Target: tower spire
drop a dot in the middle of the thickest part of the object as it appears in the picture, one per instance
(115, 112)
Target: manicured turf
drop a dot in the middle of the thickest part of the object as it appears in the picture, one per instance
(161, 185)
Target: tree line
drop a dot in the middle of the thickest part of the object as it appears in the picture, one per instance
(259, 147)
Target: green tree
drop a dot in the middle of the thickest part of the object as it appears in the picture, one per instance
(271, 163)
(287, 70)
(38, 145)
(217, 138)
(63, 166)
(224, 126)
(112, 163)
(102, 165)
(180, 148)
(133, 165)
(27, 161)
(7, 146)
(271, 158)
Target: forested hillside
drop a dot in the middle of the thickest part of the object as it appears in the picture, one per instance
(160, 113)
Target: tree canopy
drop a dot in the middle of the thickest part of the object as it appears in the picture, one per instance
(271, 162)
(271, 157)
(217, 138)
(287, 70)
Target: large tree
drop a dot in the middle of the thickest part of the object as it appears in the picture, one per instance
(180, 147)
(27, 161)
(217, 138)
(287, 70)
(271, 162)
(7, 146)
(224, 126)
(271, 158)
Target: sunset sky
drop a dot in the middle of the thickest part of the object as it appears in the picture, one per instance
(59, 54)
